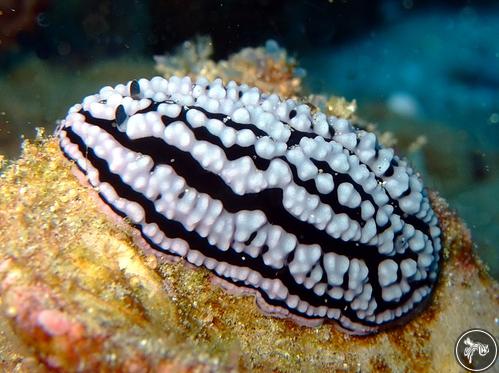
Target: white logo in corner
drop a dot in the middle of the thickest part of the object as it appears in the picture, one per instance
(476, 350)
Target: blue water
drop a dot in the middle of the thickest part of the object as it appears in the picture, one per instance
(446, 62)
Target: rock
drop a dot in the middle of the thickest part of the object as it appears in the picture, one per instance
(76, 294)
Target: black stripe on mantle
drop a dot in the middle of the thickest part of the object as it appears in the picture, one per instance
(268, 201)
(235, 151)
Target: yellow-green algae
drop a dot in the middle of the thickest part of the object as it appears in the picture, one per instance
(76, 294)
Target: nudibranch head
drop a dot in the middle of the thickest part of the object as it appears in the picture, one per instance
(308, 211)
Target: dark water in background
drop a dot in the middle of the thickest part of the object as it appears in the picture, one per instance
(415, 68)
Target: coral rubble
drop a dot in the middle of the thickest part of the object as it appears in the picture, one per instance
(268, 68)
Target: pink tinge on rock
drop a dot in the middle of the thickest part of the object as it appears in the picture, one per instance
(54, 322)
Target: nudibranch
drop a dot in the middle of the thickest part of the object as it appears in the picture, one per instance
(307, 211)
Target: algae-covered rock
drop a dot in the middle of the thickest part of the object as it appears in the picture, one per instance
(267, 67)
(77, 295)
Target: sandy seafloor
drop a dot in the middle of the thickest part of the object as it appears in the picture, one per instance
(430, 78)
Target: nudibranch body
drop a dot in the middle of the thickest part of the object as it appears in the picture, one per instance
(309, 212)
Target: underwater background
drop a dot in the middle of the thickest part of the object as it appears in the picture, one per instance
(426, 72)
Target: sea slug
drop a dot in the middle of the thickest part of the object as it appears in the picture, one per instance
(309, 212)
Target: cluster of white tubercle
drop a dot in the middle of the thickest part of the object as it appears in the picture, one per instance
(333, 179)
